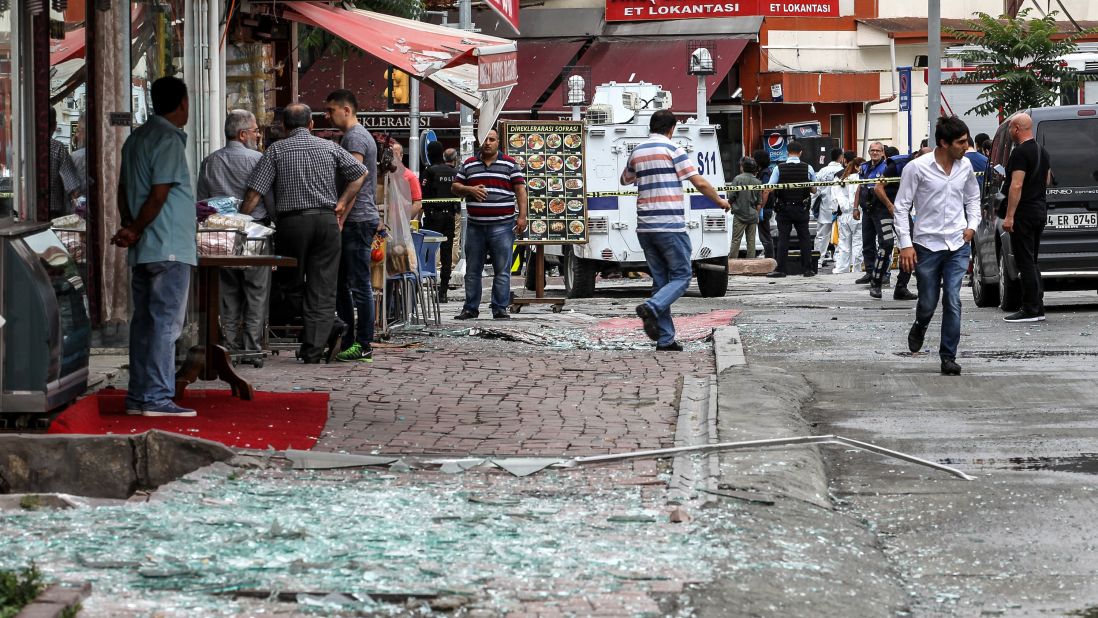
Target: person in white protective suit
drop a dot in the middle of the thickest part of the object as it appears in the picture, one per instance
(849, 251)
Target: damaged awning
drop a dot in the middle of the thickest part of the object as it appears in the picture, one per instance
(479, 70)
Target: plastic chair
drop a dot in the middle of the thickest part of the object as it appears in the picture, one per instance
(407, 291)
(426, 258)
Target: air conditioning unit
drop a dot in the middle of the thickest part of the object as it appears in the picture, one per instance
(662, 100)
(630, 100)
(600, 113)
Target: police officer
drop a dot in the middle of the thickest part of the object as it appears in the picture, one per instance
(439, 216)
(865, 202)
(883, 225)
(791, 208)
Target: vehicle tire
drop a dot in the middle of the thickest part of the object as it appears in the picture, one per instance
(983, 294)
(713, 283)
(579, 276)
(1010, 291)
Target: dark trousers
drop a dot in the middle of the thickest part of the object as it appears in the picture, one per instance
(354, 291)
(442, 220)
(869, 240)
(884, 236)
(789, 217)
(310, 289)
(764, 234)
(1025, 241)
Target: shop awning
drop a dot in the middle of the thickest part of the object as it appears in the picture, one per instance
(480, 70)
(656, 61)
(539, 63)
(71, 47)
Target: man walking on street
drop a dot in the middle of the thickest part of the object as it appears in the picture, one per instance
(944, 191)
(828, 205)
(1026, 213)
(493, 186)
(745, 209)
(791, 209)
(303, 171)
(864, 204)
(156, 207)
(354, 291)
(658, 167)
(441, 216)
(243, 290)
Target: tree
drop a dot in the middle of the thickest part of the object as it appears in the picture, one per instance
(1021, 58)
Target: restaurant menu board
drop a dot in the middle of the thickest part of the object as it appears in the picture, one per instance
(551, 155)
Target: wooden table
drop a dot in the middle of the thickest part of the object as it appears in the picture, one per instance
(209, 360)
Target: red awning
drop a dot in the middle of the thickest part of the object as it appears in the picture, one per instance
(540, 61)
(72, 46)
(479, 69)
(656, 61)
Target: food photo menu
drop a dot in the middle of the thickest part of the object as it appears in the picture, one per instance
(551, 155)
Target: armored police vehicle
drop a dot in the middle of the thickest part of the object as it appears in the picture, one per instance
(616, 122)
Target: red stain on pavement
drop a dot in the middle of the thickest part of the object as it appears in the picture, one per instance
(687, 327)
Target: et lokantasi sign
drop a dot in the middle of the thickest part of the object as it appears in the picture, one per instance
(640, 10)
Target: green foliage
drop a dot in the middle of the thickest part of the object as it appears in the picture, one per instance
(18, 589)
(1022, 57)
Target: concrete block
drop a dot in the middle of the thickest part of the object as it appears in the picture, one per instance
(755, 267)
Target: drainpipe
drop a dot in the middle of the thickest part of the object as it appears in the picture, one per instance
(868, 106)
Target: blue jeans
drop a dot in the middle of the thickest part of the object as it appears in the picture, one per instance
(668, 257)
(159, 292)
(482, 241)
(939, 274)
(354, 290)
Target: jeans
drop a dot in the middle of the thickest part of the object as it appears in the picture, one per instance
(481, 241)
(354, 291)
(789, 217)
(939, 274)
(1025, 242)
(159, 291)
(668, 257)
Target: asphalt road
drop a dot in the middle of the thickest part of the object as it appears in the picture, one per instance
(1017, 541)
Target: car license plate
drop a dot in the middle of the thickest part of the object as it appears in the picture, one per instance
(1073, 221)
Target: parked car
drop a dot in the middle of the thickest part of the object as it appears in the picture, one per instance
(1068, 258)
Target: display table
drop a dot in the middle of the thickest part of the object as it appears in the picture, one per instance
(208, 360)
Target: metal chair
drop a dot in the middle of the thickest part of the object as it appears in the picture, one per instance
(426, 258)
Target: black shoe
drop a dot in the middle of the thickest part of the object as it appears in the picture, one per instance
(775, 274)
(902, 293)
(1022, 316)
(442, 298)
(950, 367)
(809, 273)
(465, 315)
(501, 315)
(334, 338)
(915, 337)
(651, 322)
(866, 278)
(1041, 316)
(674, 346)
(874, 290)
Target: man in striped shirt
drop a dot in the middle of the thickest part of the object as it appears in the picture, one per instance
(492, 185)
(659, 167)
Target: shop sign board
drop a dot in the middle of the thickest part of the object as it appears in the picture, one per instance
(552, 157)
(641, 10)
(508, 10)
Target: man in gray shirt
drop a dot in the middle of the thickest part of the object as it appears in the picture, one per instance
(243, 290)
(354, 292)
(303, 171)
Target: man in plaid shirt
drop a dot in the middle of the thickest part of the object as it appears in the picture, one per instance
(303, 169)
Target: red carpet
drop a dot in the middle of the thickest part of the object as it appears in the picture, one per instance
(276, 420)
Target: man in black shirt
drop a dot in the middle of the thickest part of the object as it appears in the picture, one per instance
(1027, 177)
(439, 216)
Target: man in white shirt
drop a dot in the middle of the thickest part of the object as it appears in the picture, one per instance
(944, 190)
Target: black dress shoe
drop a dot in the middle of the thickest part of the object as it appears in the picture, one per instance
(902, 293)
(866, 278)
(809, 273)
(465, 315)
(674, 346)
(915, 337)
(874, 290)
(950, 367)
(501, 315)
(650, 321)
(442, 298)
(775, 274)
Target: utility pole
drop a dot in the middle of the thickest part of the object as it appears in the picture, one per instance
(465, 22)
(934, 71)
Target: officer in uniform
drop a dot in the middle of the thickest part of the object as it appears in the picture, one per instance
(791, 209)
(440, 216)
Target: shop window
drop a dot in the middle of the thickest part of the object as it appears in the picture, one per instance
(11, 185)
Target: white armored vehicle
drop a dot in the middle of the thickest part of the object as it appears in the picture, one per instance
(616, 122)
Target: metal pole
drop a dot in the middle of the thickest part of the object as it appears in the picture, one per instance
(934, 71)
(465, 22)
(703, 117)
(413, 125)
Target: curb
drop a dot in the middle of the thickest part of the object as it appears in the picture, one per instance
(755, 402)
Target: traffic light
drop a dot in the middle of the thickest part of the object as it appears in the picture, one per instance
(396, 88)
